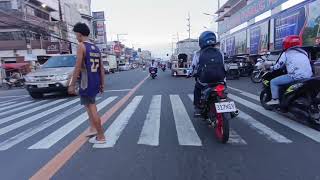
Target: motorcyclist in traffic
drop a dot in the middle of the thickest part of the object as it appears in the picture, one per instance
(154, 66)
(207, 65)
(296, 62)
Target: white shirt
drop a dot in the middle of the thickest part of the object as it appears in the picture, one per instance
(297, 64)
(153, 65)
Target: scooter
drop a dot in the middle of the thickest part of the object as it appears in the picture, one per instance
(301, 98)
(259, 69)
(163, 68)
(232, 69)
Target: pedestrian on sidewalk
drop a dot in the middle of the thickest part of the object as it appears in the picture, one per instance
(90, 70)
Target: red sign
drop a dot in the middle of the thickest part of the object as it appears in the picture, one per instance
(117, 48)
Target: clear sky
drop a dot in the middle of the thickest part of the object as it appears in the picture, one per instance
(152, 24)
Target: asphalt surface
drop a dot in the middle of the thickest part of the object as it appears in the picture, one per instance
(154, 136)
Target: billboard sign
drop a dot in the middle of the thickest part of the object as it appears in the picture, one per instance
(288, 23)
(259, 38)
(251, 10)
(98, 15)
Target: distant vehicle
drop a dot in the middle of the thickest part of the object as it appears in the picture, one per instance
(124, 67)
(182, 59)
(112, 61)
(106, 67)
(53, 76)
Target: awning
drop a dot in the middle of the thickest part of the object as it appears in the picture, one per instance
(14, 65)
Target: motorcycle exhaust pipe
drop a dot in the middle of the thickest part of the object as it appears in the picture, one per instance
(235, 114)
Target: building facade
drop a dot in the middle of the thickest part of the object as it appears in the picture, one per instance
(258, 26)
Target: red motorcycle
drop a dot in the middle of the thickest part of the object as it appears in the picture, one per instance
(217, 110)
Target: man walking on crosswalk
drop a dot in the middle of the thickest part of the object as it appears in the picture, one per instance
(90, 70)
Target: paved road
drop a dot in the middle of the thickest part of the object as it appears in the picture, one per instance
(152, 136)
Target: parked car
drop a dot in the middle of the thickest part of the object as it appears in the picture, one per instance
(53, 76)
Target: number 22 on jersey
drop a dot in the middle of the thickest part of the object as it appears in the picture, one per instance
(94, 65)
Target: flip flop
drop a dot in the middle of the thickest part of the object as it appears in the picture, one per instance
(95, 141)
(90, 134)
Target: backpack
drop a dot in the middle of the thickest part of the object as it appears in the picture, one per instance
(211, 65)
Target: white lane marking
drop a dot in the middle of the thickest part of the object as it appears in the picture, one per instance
(35, 103)
(7, 103)
(249, 95)
(191, 96)
(235, 138)
(35, 117)
(118, 90)
(302, 129)
(115, 129)
(5, 145)
(15, 116)
(263, 129)
(187, 135)
(18, 97)
(151, 128)
(63, 131)
(14, 105)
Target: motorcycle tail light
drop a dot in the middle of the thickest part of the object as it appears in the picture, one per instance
(220, 90)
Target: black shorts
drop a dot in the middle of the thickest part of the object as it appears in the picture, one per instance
(86, 100)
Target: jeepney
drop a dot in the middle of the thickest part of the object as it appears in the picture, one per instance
(182, 58)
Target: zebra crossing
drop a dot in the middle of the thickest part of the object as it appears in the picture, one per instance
(17, 117)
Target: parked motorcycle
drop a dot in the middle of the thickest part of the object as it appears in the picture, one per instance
(245, 67)
(301, 98)
(217, 110)
(10, 82)
(232, 69)
(153, 73)
(259, 69)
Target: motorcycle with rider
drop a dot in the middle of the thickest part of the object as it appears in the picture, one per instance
(210, 98)
(290, 87)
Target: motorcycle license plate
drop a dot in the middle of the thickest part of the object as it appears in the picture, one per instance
(42, 85)
(152, 72)
(224, 107)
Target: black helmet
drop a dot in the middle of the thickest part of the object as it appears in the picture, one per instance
(207, 38)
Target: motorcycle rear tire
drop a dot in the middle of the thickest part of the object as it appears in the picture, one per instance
(222, 129)
(7, 86)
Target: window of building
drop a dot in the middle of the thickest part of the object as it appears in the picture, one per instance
(5, 5)
(9, 36)
(41, 14)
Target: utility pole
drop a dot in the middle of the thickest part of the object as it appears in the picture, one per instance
(60, 11)
(189, 25)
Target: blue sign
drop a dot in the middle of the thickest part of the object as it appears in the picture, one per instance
(289, 23)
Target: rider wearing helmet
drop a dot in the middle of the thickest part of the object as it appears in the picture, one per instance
(209, 64)
(154, 66)
(296, 62)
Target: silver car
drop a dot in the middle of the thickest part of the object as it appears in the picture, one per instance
(53, 76)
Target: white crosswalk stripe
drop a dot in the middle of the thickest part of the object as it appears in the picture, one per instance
(187, 135)
(150, 133)
(57, 135)
(14, 105)
(16, 116)
(151, 128)
(35, 117)
(114, 131)
(22, 107)
(235, 138)
(7, 103)
(38, 128)
(263, 129)
(302, 129)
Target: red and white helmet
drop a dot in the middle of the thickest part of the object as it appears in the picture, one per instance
(291, 41)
